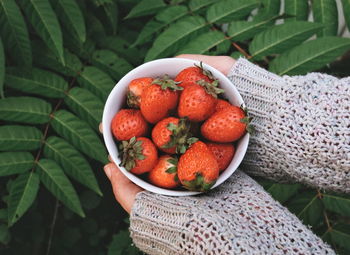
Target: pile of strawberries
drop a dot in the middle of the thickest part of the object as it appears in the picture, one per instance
(158, 132)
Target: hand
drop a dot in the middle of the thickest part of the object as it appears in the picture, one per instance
(124, 190)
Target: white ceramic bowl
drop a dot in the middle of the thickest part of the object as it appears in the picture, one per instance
(157, 68)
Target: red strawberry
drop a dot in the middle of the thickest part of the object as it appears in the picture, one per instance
(172, 135)
(226, 125)
(164, 174)
(139, 155)
(191, 75)
(197, 102)
(197, 168)
(221, 104)
(159, 99)
(223, 153)
(135, 89)
(128, 123)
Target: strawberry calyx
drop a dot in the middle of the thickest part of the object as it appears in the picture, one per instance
(181, 136)
(172, 169)
(130, 152)
(247, 120)
(198, 183)
(205, 71)
(132, 100)
(167, 83)
(211, 87)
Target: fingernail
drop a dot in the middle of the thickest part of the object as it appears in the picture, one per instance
(108, 171)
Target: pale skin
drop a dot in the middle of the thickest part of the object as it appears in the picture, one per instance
(124, 190)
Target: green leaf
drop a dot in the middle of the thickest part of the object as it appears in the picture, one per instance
(96, 81)
(5, 235)
(120, 243)
(54, 179)
(79, 134)
(25, 109)
(203, 43)
(86, 105)
(71, 17)
(45, 23)
(244, 30)
(346, 10)
(307, 207)
(22, 195)
(270, 8)
(36, 81)
(228, 10)
(297, 8)
(282, 37)
(160, 21)
(282, 192)
(73, 163)
(195, 5)
(337, 203)
(145, 7)
(2, 69)
(14, 33)
(310, 56)
(326, 13)
(19, 138)
(110, 15)
(15, 162)
(167, 42)
(111, 63)
(3, 214)
(45, 59)
(340, 234)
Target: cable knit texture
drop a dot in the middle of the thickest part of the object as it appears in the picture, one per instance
(302, 134)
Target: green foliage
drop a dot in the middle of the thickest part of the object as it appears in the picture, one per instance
(59, 60)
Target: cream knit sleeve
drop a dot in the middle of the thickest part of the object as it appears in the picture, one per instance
(302, 126)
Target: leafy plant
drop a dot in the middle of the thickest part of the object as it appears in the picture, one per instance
(59, 59)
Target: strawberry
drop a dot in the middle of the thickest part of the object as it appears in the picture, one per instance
(221, 104)
(135, 89)
(197, 168)
(139, 155)
(223, 153)
(128, 123)
(159, 99)
(226, 125)
(164, 174)
(191, 75)
(172, 135)
(197, 102)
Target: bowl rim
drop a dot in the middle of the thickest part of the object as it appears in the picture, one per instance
(108, 137)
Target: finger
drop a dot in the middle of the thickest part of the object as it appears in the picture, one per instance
(100, 128)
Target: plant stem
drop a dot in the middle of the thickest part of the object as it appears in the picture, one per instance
(52, 227)
(241, 50)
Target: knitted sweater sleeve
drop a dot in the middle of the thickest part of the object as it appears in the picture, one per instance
(302, 126)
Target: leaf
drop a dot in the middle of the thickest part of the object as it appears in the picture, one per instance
(282, 192)
(282, 37)
(110, 16)
(203, 43)
(166, 42)
(145, 7)
(160, 21)
(111, 63)
(120, 243)
(19, 138)
(53, 178)
(15, 162)
(307, 207)
(14, 33)
(326, 13)
(3, 214)
(96, 81)
(2, 69)
(346, 10)
(297, 8)
(79, 134)
(22, 195)
(71, 17)
(86, 105)
(5, 235)
(25, 109)
(45, 23)
(244, 30)
(72, 162)
(195, 5)
(36, 81)
(270, 8)
(310, 56)
(227, 10)
(337, 203)
(340, 234)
